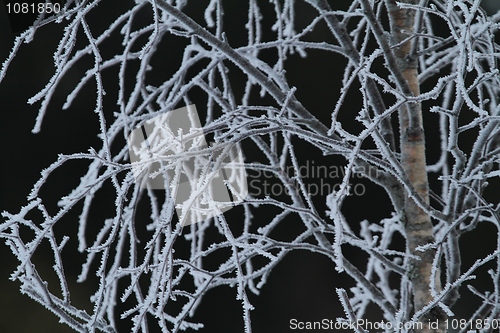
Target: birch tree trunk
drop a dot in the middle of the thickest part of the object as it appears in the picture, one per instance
(418, 225)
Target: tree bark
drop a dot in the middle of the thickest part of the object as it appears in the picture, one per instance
(418, 225)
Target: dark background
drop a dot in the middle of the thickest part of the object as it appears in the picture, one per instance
(301, 287)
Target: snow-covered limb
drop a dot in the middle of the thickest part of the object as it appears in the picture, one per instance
(440, 69)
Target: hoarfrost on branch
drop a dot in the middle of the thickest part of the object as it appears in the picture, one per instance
(458, 75)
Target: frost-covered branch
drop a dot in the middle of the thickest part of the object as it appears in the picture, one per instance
(410, 67)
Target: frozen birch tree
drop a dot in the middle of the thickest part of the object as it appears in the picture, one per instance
(411, 67)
